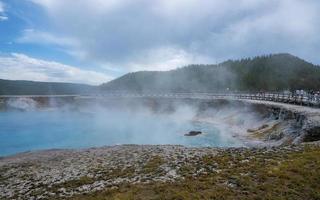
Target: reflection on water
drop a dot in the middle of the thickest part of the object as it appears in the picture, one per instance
(33, 130)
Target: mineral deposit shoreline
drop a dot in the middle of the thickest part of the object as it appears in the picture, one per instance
(70, 173)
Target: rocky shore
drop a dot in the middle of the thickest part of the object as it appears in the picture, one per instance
(129, 171)
(289, 124)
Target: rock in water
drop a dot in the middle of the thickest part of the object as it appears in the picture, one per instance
(193, 133)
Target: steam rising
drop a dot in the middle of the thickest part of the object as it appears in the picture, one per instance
(26, 104)
(88, 123)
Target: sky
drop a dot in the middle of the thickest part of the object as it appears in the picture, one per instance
(95, 41)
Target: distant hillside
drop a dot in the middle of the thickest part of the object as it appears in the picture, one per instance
(8, 87)
(276, 72)
(264, 73)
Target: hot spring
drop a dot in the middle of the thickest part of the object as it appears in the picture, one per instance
(87, 124)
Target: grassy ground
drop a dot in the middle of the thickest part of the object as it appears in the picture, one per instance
(236, 174)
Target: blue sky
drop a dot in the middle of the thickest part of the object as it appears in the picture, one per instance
(93, 41)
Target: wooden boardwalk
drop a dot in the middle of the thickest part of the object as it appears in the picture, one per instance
(303, 100)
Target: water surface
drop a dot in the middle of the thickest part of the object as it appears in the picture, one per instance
(35, 130)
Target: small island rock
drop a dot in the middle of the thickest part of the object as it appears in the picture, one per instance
(193, 133)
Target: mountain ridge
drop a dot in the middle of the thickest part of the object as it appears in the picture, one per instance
(23, 87)
(274, 72)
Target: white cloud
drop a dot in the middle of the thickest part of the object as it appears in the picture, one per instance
(1, 7)
(3, 17)
(166, 58)
(22, 67)
(66, 44)
(40, 37)
(148, 34)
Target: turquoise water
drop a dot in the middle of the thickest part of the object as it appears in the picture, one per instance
(36, 130)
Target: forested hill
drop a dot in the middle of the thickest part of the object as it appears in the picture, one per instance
(276, 72)
(264, 73)
(9, 87)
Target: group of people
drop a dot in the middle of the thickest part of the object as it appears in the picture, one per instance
(312, 95)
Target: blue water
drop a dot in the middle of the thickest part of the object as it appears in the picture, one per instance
(36, 130)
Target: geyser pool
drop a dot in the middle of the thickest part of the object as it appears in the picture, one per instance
(35, 130)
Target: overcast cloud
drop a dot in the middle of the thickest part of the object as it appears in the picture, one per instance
(108, 38)
(136, 34)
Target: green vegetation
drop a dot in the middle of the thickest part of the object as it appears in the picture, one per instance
(85, 180)
(8, 87)
(242, 174)
(114, 173)
(265, 73)
(153, 164)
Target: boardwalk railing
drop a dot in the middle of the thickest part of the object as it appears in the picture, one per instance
(289, 98)
(303, 100)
